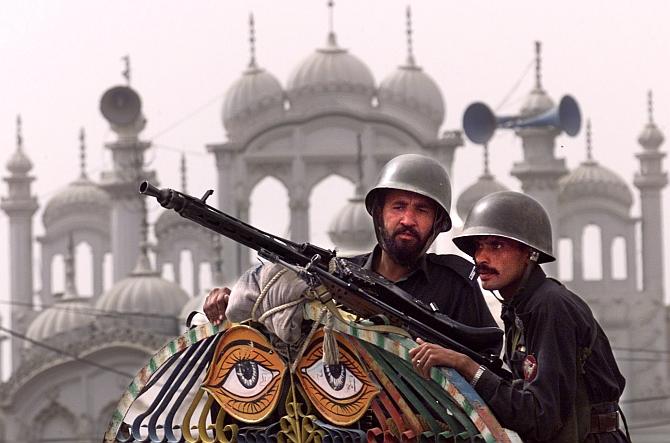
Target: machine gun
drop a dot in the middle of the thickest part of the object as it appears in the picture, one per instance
(359, 291)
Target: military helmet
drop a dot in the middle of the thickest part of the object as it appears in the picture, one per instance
(415, 173)
(512, 215)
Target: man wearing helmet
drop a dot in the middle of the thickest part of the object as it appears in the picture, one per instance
(566, 383)
(410, 207)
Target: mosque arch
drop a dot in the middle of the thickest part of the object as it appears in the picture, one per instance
(167, 272)
(270, 189)
(57, 281)
(565, 259)
(326, 199)
(592, 261)
(376, 119)
(84, 268)
(188, 279)
(619, 256)
(55, 422)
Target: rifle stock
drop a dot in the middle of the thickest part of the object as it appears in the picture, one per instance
(364, 293)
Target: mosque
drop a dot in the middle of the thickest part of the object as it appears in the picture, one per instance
(72, 354)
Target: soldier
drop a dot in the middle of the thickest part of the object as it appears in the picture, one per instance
(410, 207)
(566, 382)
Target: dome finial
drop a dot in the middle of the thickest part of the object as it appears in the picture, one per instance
(538, 65)
(589, 148)
(252, 41)
(332, 40)
(650, 106)
(359, 161)
(70, 286)
(183, 173)
(19, 163)
(82, 154)
(19, 135)
(410, 52)
(486, 160)
(126, 69)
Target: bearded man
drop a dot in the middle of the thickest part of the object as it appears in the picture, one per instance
(409, 206)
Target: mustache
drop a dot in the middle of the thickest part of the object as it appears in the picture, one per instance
(485, 269)
(408, 230)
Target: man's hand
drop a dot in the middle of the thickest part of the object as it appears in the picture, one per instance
(215, 305)
(427, 355)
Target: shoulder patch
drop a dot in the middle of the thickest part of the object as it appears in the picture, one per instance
(456, 263)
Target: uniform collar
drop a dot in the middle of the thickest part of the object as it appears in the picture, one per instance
(536, 278)
(422, 266)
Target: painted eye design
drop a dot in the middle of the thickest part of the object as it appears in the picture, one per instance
(248, 378)
(342, 392)
(245, 376)
(336, 380)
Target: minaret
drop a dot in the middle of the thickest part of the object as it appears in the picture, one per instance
(540, 170)
(20, 206)
(650, 180)
(649, 323)
(122, 108)
(442, 148)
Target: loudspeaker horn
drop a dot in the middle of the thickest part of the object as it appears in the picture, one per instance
(479, 122)
(120, 105)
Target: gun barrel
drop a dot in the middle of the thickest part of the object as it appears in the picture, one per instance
(149, 189)
(166, 197)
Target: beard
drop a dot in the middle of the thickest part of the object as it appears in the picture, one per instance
(404, 252)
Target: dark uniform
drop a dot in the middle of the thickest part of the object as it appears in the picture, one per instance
(561, 391)
(450, 282)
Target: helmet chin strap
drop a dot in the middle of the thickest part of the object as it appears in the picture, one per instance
(532, 263)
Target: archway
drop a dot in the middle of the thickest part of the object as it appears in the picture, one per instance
(326, 200)
(83, 254)
(592, 257)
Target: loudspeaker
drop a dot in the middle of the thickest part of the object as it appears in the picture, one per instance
(120, 105)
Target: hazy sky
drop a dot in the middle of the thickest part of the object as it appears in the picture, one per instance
(58, 58)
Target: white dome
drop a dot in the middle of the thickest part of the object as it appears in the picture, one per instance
(168, 220)
(352, 231)
(410, 87)
(19, 163)
(593, 180)
(536, 103)
(256, 91)
(331, 70)
(485, 185)
(144, 291)
(81, 195)
(651, 137)
(66, 314)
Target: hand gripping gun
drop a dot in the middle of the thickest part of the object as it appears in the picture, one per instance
(357, 290)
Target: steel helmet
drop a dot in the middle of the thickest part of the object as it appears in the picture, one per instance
(512, 215)
(415, 173)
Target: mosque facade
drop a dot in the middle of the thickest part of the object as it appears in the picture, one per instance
(72, 356)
